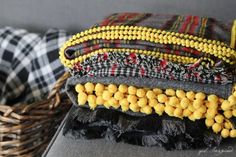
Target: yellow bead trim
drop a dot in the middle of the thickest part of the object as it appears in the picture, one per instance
(176, 103)
(213, 47)
(159, 55)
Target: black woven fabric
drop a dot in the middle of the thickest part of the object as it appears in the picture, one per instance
(150, 130)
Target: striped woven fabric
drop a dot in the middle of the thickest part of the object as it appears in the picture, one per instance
(140, 63)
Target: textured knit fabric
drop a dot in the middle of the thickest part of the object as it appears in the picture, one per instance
(29, 64)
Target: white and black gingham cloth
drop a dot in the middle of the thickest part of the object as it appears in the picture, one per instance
(29, 64)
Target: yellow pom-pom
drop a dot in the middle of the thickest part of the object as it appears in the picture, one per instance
(132, 90)
(157, 91)
(197, 103)
(162, 98)
(146, 110)
(150, 95)
(219, 118)
(191, 108)
(225, 133)
(173, 101)
(202, 109)
(99, 87)
(89, 87)
(170, 92)
(152, 102)
(180, 93)
(99, 100)
(186, 112)
(124, 102)
(114, 103)
(134, 107)
(190, 95)
(92, 101)
(79, 88)
(234, 112)
(191, 117)
(184, 103)
(232, 100)
(212, 98)
(211, 113)
(142, 102)
(197, 114)
(228, 114)
(124, 108)
(82, 98)
(232, 133)
(227, 125)
(216, 127)
(106, 104)
(225, 105)
(123, 88)
(200, 96)
(112, 88)
(98, 93)
(119, 95)
(141, 93)
(213, 104)
(106, 95)
(159, 109)
(178, 112)
(209, 122)
(169, 110)
(132, 98)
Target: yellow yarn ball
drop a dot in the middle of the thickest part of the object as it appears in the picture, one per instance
(234, 112)
(123, 88)
(98, 93)
(124, 108)
(132, 90)
(228, 114)
(169, 110)
(213, 104)
(197, 114)
(159, 109)
(79, 88)
(112, 88)
(202, 109)
(106, 104)
(134, 107)
(124, 102)
(219, 118)
(227, 125)
(216, 127)
(146, 109)
(197, 103)
(118, 95)
(152, 102)
(132, 98)
(99, 100)
(225, 105)
(141, 93)
(200, 96)
(211, 113)
(99, 87)
(162, 98)
(92, 101)
(106, 95)
(186, 112)
(157, 91)
(142, 102)
(150, 95)
(89, 87)
(170, 92)
(82, 98)
(212, 98)
(114, 103)
(180, 93)
(209, 122)
(233, 133)
(178, 112)
(232, 100)
(173, 101)
(191, 108)
(190, 95)
(225, 133)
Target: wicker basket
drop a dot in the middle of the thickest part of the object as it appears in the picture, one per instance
(26, 129)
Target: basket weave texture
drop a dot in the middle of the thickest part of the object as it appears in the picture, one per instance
(26, 129)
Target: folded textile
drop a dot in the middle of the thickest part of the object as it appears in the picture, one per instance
(144, 64)
(29, 65)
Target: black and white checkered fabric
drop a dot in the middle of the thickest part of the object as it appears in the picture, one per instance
(29, 64)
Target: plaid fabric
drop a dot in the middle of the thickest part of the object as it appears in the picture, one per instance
(29, 64)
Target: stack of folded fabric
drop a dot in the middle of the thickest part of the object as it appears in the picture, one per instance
(151, 79)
